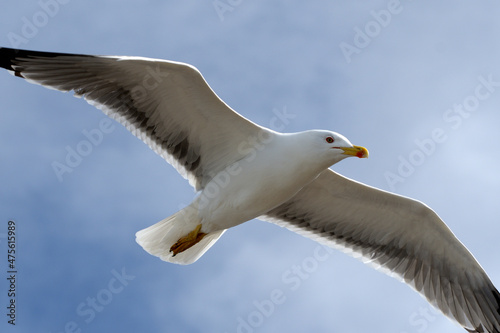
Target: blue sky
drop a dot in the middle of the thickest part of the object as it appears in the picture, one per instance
(416, 82)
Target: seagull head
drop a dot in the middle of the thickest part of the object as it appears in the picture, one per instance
(334, 147)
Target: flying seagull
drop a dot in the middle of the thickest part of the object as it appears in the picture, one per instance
(242, 171)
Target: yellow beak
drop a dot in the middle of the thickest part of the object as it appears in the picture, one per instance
(358, 151)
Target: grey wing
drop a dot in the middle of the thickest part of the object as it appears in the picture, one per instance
(166, 104)
(403, 237)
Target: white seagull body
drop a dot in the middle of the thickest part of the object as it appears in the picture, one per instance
(242, 171)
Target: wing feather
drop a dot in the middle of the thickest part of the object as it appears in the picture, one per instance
(400, 236)
(166, 104)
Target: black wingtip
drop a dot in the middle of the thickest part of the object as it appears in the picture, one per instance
(8, 57)
(496, 296)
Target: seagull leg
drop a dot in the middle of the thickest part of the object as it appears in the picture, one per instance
(187, 241)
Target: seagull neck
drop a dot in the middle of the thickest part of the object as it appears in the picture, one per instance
(303, 157)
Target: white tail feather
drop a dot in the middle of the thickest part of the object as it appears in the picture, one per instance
(158, 238)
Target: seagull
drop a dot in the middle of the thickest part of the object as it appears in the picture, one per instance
(242, 171)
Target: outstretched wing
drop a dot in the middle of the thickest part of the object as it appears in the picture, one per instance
(166, 104)
(400, 235)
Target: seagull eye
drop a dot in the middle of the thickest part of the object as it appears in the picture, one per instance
(329, 139)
